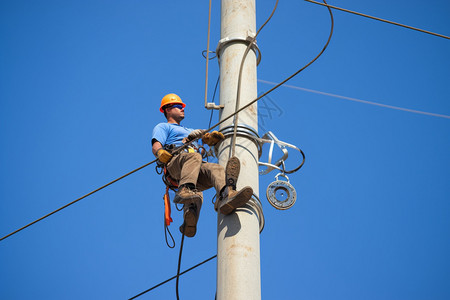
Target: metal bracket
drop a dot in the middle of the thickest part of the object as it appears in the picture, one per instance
(244, 130)
(212, 105)
(269, 137)
(247, 40)
(272, 140)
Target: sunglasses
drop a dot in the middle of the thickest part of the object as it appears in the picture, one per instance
(179, 106)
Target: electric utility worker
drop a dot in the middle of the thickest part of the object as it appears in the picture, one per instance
(187, 166)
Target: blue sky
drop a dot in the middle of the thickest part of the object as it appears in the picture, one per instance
(80, 87)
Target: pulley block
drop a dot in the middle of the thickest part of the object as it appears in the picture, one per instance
(280, 193)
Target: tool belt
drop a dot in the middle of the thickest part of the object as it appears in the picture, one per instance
(172, 147)
(171, 182)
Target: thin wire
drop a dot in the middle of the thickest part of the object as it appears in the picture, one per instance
(360, 100)
(172, 278)
(379, 19)
(88, 194)
(207, 53)
(238, 96)
(214, 95)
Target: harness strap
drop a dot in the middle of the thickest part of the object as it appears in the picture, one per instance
(167, 210)
(169, 180)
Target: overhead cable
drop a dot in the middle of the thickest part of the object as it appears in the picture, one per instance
(88, 194)
(173, 277)
(360, 100)
(379, 19)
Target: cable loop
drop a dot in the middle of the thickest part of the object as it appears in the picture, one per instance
(209, 51)
(166, 230)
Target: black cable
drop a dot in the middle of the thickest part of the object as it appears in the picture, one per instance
(214, 95)
(179, 260)
(379, 19)
(238, 96)
(88, 194)
(166, 230)
(173, 277)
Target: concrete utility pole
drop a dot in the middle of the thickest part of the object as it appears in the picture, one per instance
(238, 255)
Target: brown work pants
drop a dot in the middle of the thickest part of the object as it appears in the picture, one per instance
(189, 168)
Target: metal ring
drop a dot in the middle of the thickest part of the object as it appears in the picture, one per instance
(243, 130)
(259, 210)
(223, 42)
(287, 188)
(283, 175)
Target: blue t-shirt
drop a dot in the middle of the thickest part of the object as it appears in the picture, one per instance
(170, 133)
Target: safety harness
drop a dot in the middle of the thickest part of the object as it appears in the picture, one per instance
(171, 184)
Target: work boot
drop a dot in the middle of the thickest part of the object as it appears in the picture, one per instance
(231, 199)
(185, 195)
(232, 171)
(189, 227)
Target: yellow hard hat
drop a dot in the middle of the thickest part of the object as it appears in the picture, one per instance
(170, 99)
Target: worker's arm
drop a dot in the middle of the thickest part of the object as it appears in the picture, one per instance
(162, 155)
(155, 147)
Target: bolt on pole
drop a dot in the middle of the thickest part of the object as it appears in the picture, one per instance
(238, 245)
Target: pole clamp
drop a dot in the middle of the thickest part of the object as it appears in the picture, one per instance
(243, 130)
(247, 40)
(257, 205)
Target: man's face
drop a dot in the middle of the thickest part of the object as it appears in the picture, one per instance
(176, 112)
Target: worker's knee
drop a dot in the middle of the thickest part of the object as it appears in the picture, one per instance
(196, 156)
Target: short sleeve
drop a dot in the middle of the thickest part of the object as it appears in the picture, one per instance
(160, 133)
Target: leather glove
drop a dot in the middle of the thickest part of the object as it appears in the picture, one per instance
(212, 138)
(163, 156)
(194, 134)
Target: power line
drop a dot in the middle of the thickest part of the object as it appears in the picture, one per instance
(172, 278)
(379, 19)
(88, 194)
(360, 100)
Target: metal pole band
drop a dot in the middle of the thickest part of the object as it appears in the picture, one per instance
(225, 41)
(243, 130)
(256, 203)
